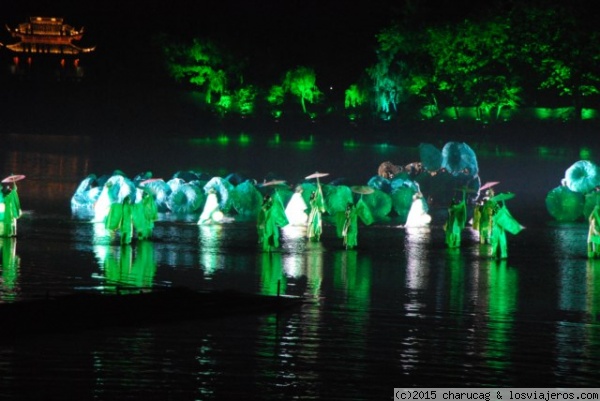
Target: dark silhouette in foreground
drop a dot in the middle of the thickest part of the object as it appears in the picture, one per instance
(133, 307)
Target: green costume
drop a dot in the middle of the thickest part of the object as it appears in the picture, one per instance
(315, 220)
(12, 211)
(120, 217)
(502, 222)
(145, 214)
(498, 242)
(477, 216)
(457, 219)
(270, 217)
(347, 222)
(593, 240)
(486, 221)
(9, 267)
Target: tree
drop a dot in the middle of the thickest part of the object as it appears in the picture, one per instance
(301, 82)
(390, 73)
(202, 64)
(354, 99)
(563, 51)
(471, 63)
(245, 98)
(275, 99)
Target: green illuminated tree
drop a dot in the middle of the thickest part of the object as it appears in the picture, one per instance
(203, 65)
(275, 99)
(563, 51)
(302, 83)
(354, 97)
(421, 86)
(390, 73)
(471, 63)
(245, 99)
(216, 83)
(387, 86)
(224, 105)
(498, 96)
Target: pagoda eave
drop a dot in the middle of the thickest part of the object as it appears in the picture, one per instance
(68, 49)
(46, 38)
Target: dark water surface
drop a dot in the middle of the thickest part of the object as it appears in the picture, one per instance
(401, 310)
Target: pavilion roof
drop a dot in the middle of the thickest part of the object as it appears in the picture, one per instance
(46, 35)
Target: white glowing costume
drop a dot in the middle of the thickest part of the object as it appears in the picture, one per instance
(211, 212)
(295, 211)
(417, 215)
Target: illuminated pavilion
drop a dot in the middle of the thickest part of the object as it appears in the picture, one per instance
(46, 46)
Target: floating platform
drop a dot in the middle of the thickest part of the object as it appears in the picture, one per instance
(93, 310)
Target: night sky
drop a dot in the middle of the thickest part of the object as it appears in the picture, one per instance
(335, 37)
(126, 86)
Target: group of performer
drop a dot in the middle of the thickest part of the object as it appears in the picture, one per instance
(273, 215)
(133, 216)
(491, 219)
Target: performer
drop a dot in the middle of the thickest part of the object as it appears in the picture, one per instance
(315, 220)
(417, 215)
(486, 217)
(295, 210)
(145, 213)
(457, 218)
(270, 217)
(211, 212)
(502, 222)
(12, 210)
(476, 215)
(9, 264)
(593, 240)
(347, 222)
(497, 240)
(120, 217)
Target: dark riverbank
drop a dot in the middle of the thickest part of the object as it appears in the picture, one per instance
(139, 110)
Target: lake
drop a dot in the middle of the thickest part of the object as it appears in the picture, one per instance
(401, 310)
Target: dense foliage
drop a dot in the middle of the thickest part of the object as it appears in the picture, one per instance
(494, 66)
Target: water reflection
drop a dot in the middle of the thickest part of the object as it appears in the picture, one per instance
(593, 290)
(210, 256)
(102, 235)
(456, 266)
(179, 244)
(416, 244)
(591, 347)
(273, 281)
(417, 261)
(352, 277)
(10, 269)
(502, 303)
(124, 269)
(288, 342)
(314, 267)
(122, 365)
(52, 164)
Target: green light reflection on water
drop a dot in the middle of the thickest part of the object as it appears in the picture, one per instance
(244, 139)
(305, 144)
(481, 149)
(351, 143)
(502, 290)
(585, 153)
